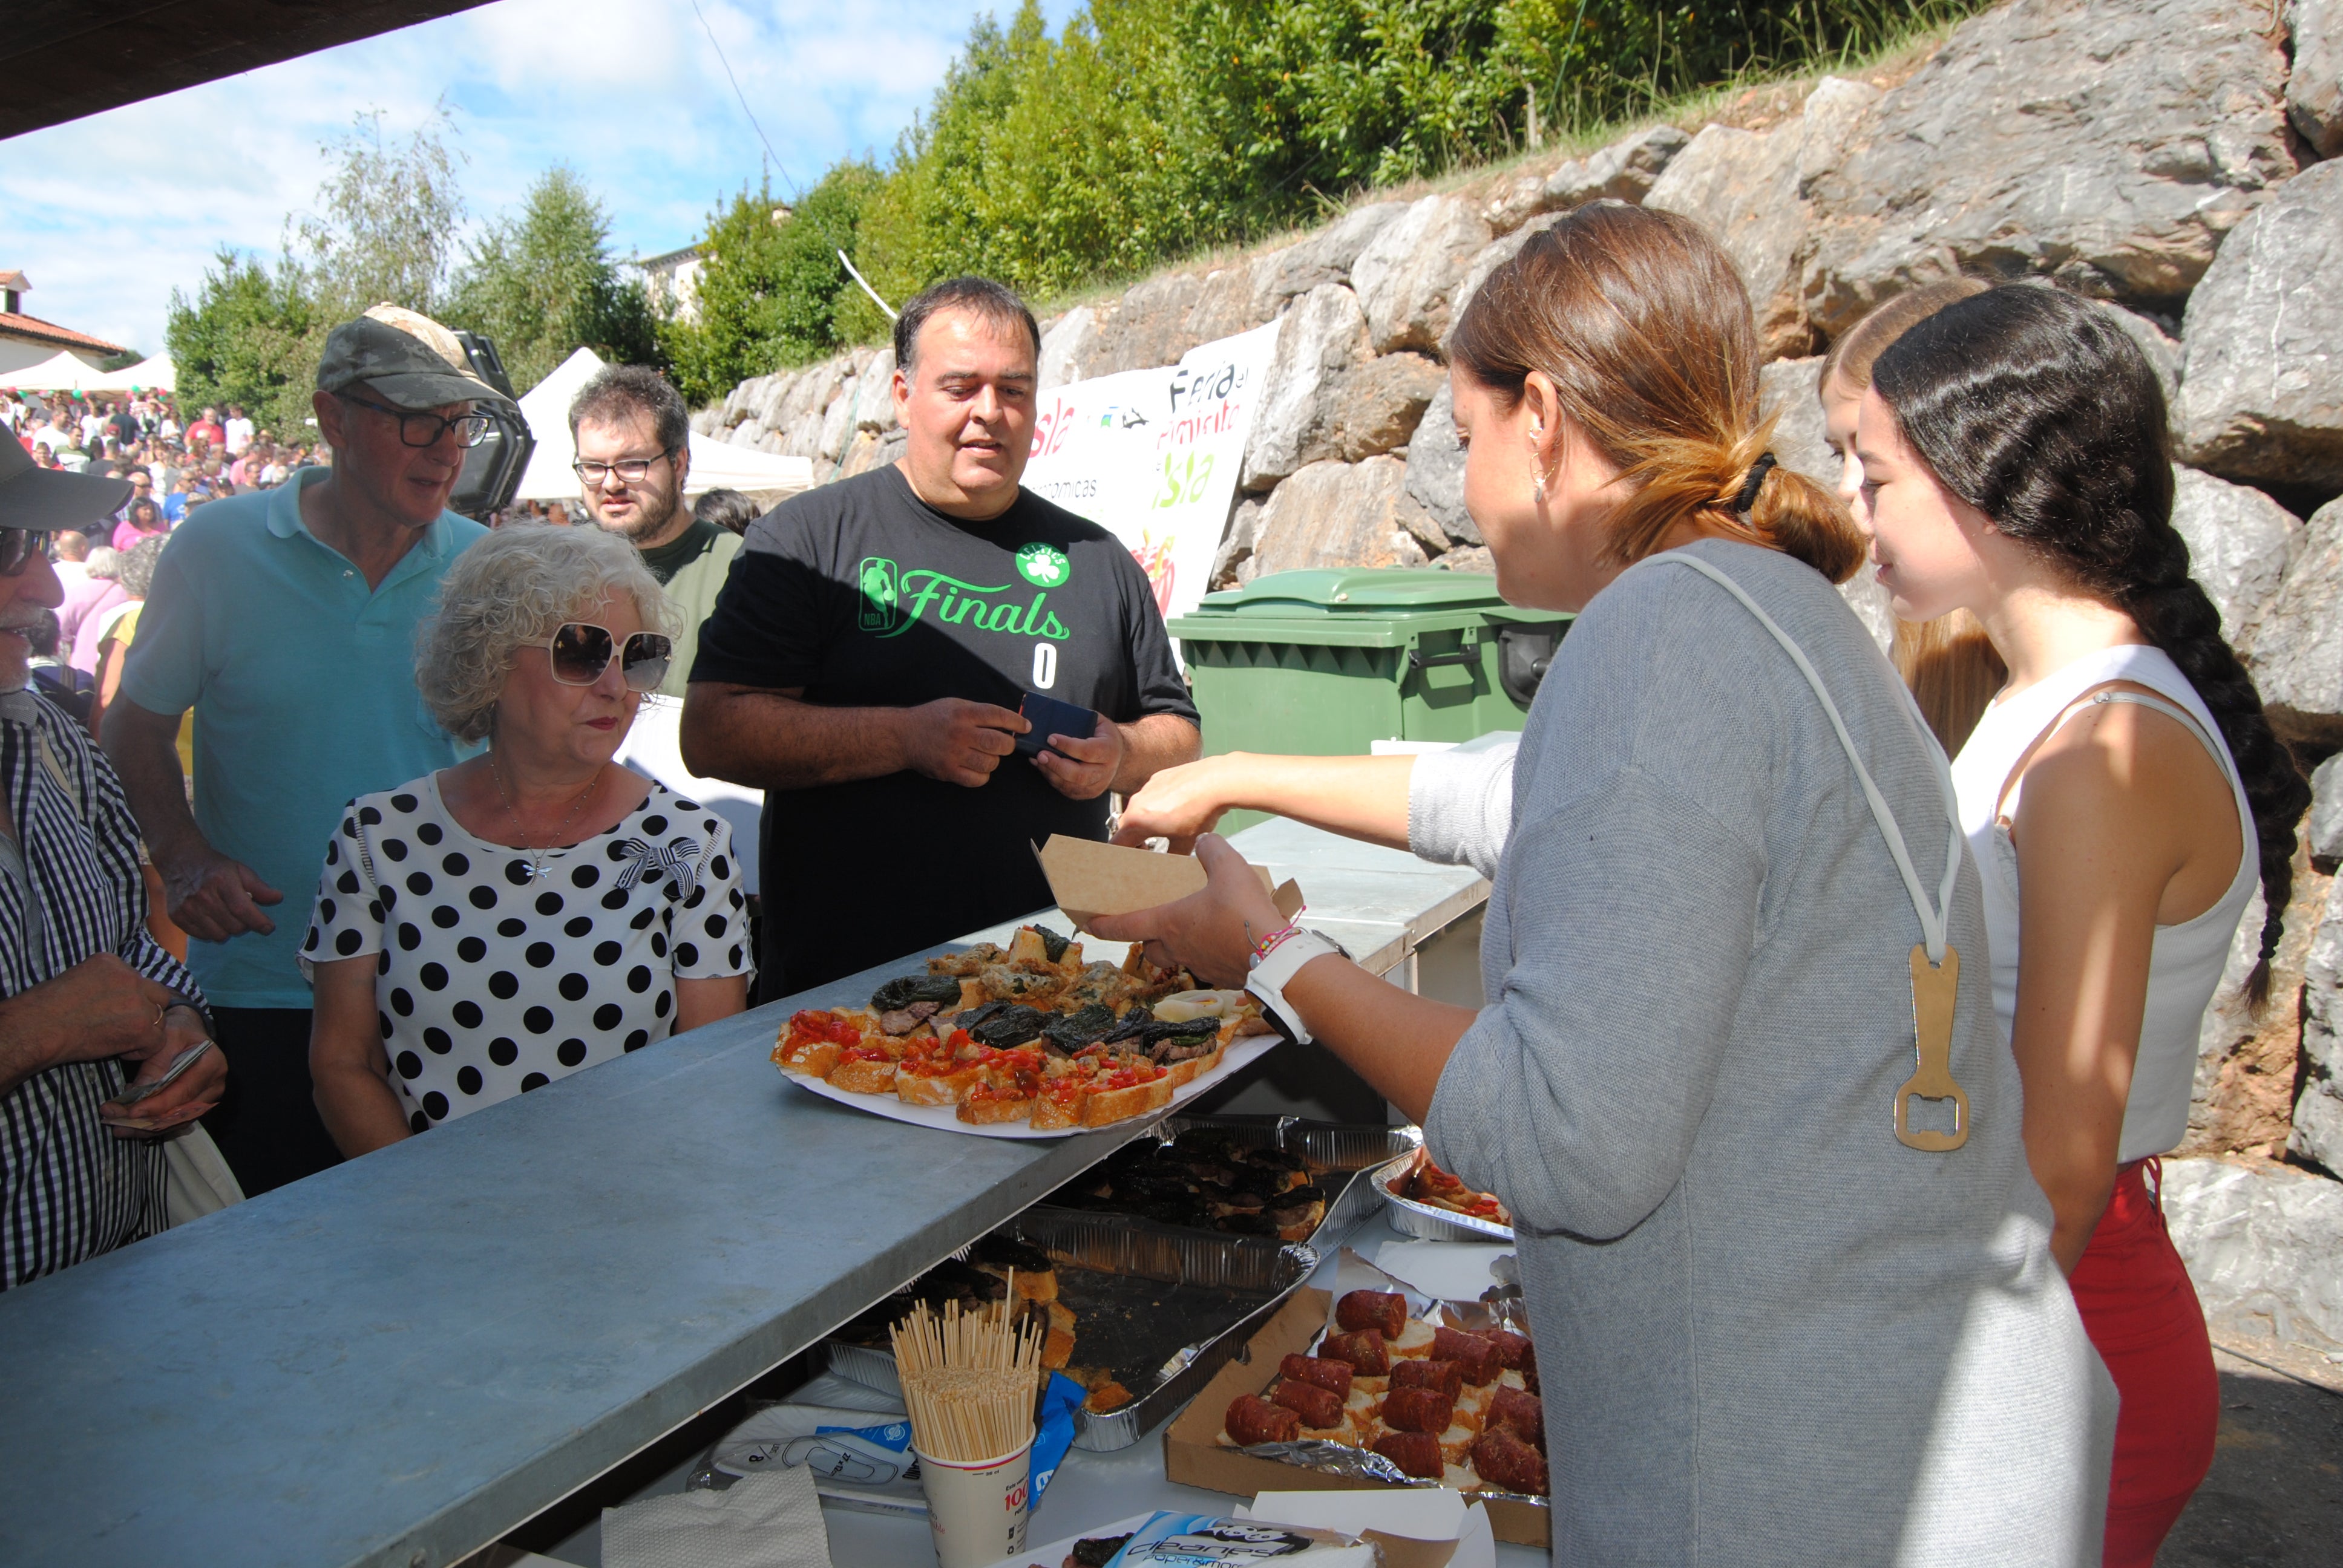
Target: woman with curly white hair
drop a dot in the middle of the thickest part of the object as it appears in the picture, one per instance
(481, 931)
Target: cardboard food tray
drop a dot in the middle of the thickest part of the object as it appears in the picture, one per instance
(1089, 878)
(1112, 1273)
(1192, 1457)
(1343, 1157)
(1429, 1222)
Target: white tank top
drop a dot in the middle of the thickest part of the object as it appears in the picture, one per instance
(2185, 960)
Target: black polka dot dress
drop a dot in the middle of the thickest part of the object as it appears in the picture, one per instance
(490, 981)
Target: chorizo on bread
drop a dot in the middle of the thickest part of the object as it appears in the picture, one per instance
(1325, 1372)
(1364, 1350)
(1253, 1419)
(1380, 1310)
(1416, 1454)
(1316, 1406)
(1419, 1409)
(1446, 1376)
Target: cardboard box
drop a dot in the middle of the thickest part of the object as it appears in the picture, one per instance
(1089, 878)
(1416, 1526)
(1191, 1457)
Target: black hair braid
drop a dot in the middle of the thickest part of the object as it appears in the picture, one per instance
(2038, 410)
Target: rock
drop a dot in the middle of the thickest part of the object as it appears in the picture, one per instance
(1408, 272)
(2262, 394)
(838, 423)
(1237, 544)
(1435, 469)
(2240, 543)
(1377, 405)
(2318, 1109)
(874, 393)
(1150, 326)
(1336, 515)
(1225, 305)
(1625, 171)
(872, 450)
(2296, 651)
(1743, 187)
(1830, 128)
(1786, 389)
(2165, 355)
(1322, 337)
(804, 437)
(2324, 827)
(1468, 559)
(2314, 90)
(2260, 1242)
(2109, 144)
(1622, 171)
(1420, 525)
(1068, 347)
(708, 421)
(2242, 1099)
(1327, 256)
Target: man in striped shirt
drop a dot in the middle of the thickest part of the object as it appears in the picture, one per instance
(87, 997)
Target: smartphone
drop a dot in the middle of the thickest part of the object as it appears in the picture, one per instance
(186, 1059)
(1050, 717)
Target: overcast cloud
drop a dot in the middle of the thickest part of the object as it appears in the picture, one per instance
(106, 215)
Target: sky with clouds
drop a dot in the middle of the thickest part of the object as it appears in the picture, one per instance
(106, 215)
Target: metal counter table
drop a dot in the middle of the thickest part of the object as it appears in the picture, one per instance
(396, 1360)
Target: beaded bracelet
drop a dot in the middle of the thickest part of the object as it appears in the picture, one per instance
(1272, 943)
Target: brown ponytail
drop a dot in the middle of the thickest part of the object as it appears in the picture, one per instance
(1642, 323)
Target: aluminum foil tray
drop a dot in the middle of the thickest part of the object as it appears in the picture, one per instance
(1342, 1155)
(1424, 1219)
(1166, 1308)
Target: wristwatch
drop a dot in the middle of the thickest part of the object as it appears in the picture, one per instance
(1270, 975)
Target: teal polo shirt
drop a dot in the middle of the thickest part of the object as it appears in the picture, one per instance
(303, 683)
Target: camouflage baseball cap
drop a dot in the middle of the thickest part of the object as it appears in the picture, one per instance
(408, 358)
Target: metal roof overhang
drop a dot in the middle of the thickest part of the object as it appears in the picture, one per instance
(62, 59)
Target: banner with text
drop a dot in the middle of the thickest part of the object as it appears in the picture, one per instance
(1152, 456)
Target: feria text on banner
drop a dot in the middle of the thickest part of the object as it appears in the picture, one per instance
(1152, 456)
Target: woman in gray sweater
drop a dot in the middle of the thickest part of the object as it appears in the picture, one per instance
(1786, 1311)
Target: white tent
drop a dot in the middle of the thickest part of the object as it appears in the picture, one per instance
(150, 375)
(715, 465)
(59, 373)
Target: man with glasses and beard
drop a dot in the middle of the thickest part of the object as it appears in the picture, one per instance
(285, 620)
(633, 437)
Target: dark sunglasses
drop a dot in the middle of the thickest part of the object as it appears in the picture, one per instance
(19, 545)
(581, 652)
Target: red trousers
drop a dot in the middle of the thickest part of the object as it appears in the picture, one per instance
(2143, 1316)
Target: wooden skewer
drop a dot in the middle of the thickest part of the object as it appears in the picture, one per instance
(969, 1378)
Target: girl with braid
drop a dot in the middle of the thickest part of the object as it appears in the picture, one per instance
(2123, 794)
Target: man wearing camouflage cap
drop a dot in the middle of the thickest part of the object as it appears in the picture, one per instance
(286, 619)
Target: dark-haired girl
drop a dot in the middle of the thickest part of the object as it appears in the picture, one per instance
(2123, 794)
(1779, 1319)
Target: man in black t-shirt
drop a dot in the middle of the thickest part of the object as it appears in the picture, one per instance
(866, 659)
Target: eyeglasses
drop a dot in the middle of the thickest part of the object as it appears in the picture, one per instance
(472, 429)
(581, 652)
(19, 545)
(630, 470)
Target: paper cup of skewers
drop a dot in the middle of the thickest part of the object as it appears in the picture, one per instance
(970, 1382)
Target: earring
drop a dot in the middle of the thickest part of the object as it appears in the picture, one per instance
(1537, 484)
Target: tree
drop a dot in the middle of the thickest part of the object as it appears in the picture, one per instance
(385, 230)
(250, 335)
(771, 291)
(542, 283)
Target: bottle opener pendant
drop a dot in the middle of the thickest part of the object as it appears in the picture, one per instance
(1932, 990)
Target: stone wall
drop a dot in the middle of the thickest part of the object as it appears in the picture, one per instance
(2163, 157)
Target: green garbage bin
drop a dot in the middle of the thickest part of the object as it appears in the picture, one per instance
(1326, 663)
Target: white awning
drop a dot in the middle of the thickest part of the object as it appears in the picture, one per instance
(715, 465)
(59, 373)
(157, 373)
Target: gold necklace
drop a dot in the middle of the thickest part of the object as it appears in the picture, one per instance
(536, 856)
